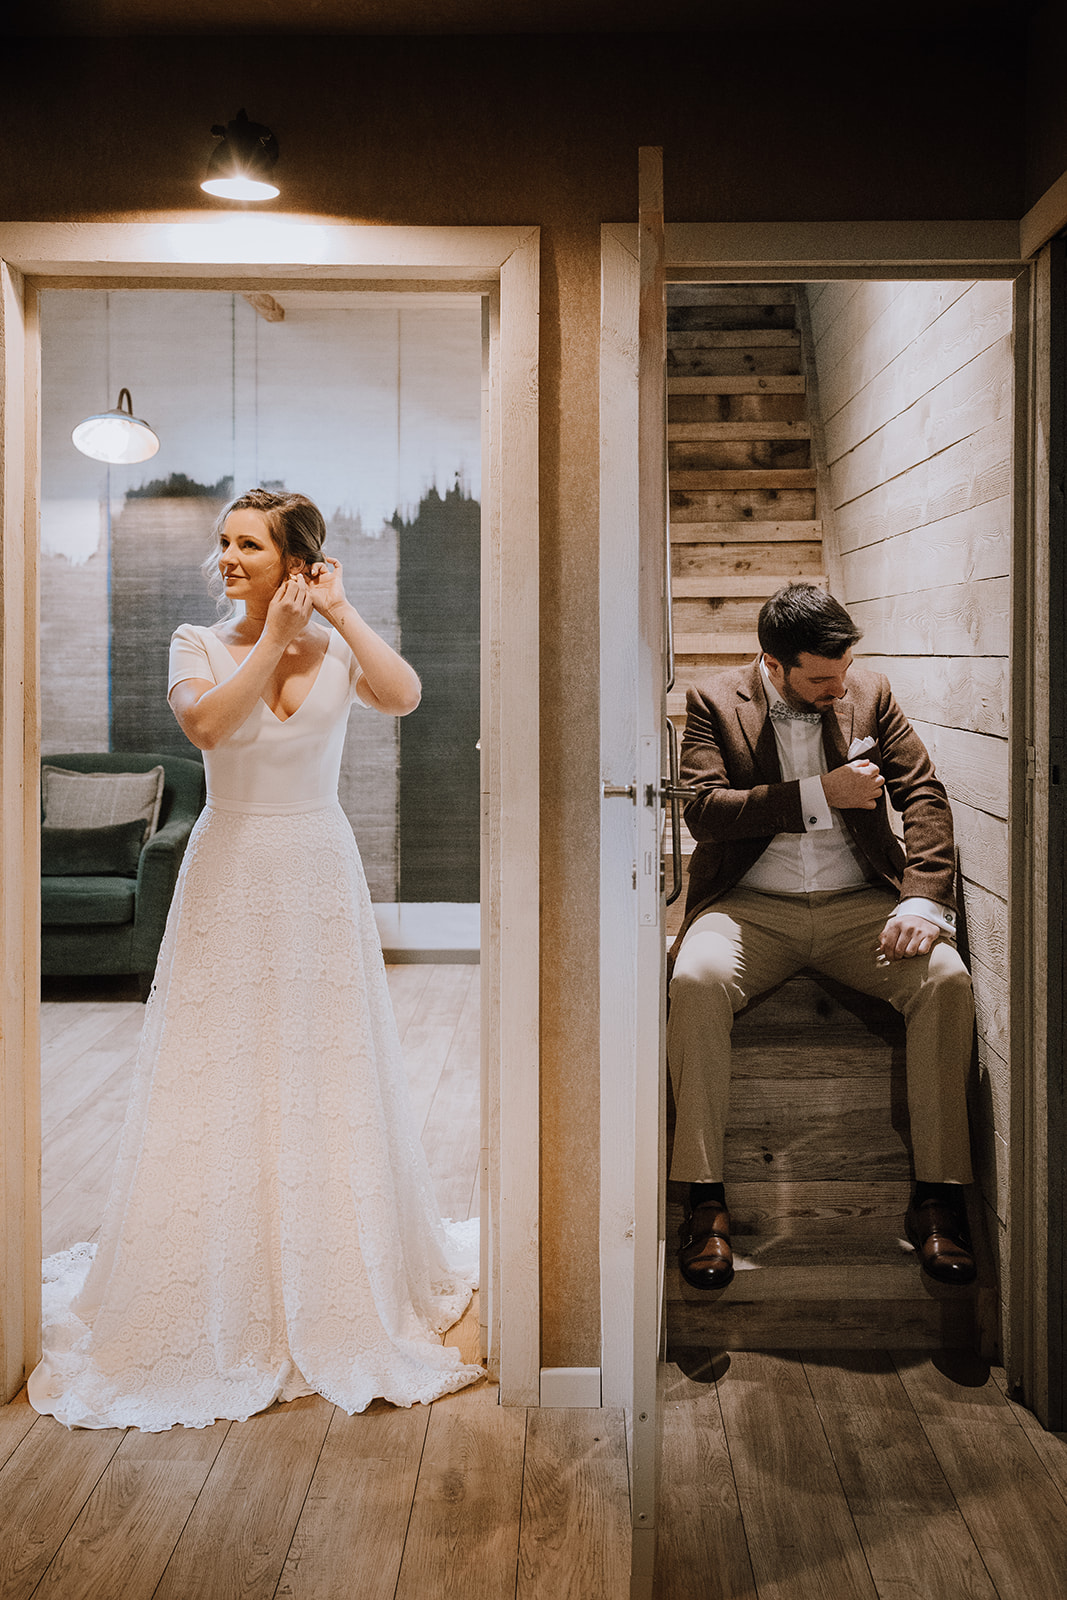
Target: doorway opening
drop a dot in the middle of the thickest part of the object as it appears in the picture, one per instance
(370, 403)
(857, 435)
(501, 266)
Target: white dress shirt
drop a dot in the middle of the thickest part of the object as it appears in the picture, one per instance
(824, 856)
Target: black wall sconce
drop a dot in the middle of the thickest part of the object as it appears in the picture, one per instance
(241, 165)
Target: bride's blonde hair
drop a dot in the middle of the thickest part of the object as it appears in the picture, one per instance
(296, 525)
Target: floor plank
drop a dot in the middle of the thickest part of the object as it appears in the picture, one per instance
(16, 1420)
(350, 1538)
(1014, 1512)
(575, 1507)
(701, 1547)
(132, 1521)
(235, 1543)
(801, 1537)
(924, 1558)
(882, 1455)
(43, 1486)
(463, 1540)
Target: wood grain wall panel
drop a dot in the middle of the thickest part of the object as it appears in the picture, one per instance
(962, 619)
(983, 839)
(964, 476)
(927, 332)
(916, 384)
(971, 692)
(966, 545)
(827, 302)
(848, 341)
(966, 401)
(972, 766)
(871, 339)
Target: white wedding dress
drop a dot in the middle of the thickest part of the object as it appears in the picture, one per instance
(271, 1229)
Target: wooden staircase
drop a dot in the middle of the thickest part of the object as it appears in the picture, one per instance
(818, 1164)
(742, 483)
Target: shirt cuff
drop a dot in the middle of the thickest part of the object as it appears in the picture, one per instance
(942, 916)
(813, 805)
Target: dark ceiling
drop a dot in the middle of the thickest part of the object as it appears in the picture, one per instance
(29, 18)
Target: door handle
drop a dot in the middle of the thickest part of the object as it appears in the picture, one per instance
(619, 791)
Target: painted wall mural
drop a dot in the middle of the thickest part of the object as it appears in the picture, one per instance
(369, 404)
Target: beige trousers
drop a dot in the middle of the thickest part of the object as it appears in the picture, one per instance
(749, 942)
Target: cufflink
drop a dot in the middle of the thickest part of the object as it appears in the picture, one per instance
(812, 821)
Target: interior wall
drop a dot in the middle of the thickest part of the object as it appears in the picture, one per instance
(538, 130)
(370, 406)
(915, 387)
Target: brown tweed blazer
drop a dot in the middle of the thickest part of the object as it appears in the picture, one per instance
(729, 753)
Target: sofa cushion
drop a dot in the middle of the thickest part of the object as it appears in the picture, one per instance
(92, 852)
(99, 799)
(76, 901)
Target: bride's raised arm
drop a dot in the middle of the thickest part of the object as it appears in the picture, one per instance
(388, 683)
(208, 713)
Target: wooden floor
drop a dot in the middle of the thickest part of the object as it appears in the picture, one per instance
(785, 1476)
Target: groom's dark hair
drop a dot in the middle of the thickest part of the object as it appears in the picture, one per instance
(804, 618)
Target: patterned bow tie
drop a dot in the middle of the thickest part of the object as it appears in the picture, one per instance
(780, 712)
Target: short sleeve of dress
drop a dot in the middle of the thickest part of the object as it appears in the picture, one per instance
(188, 656)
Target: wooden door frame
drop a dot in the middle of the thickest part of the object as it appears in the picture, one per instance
(810, 252)
(245, 251)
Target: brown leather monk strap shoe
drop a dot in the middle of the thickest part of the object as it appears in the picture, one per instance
(705, 1258)
(942, 1240)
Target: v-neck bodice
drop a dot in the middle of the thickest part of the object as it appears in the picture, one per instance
(269, 765)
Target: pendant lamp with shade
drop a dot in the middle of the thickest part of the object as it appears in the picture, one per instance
(116, 436)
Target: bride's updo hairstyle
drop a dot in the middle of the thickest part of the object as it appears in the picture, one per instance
(296, 525)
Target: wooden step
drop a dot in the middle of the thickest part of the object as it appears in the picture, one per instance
(737, 408)
(745, 506)
(730, 294)
(743, 528)
(760, 362)
(693, 671)
(818, 1176)
(785, 561)
(765, 314)
(762, 586)
(744, 478)
(737, 383)
(708, 432)
(738, 455)
(733, 339)
(745, 645)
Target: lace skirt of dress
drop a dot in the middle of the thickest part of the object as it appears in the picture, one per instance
(271, 1229)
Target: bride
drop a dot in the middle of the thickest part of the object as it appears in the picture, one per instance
(271, 1228)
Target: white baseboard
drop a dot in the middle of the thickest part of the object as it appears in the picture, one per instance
(570, 1386)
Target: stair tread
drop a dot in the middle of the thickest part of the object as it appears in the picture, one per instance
(738, 383)
(712, 432)
(743, 478)
(760, 585)
(746, 531)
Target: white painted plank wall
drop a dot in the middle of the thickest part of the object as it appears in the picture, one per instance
(915, 385)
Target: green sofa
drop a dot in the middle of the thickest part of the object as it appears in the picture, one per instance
(95, 925)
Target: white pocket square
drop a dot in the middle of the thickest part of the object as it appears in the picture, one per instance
(859, 747)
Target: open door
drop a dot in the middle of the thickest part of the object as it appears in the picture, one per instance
(633, 714)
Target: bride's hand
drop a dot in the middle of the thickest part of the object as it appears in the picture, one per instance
(326, 585)
(289, 609)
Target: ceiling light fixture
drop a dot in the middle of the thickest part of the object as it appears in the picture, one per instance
(240, 166)
(116, 436)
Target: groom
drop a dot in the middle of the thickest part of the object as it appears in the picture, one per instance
(796, 866)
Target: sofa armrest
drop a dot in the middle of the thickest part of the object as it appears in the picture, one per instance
(157, 873)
